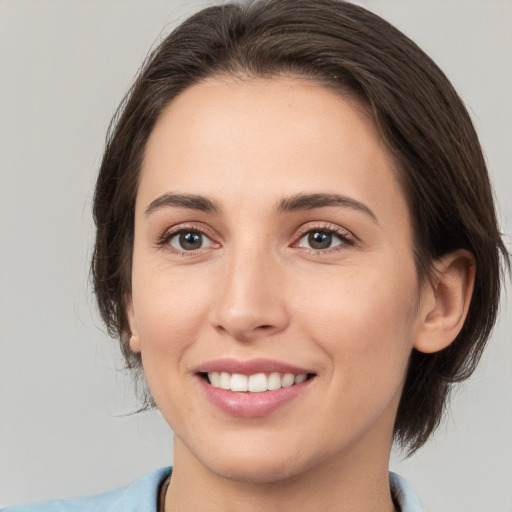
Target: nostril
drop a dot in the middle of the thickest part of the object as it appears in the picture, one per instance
(245, 323)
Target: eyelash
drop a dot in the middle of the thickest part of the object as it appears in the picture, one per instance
(345, 237)
(165, 240)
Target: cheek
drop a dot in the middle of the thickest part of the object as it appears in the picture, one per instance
(170, 314)
(364, 322)
(169, 318)
(168, 308)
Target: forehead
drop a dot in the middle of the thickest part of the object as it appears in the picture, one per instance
(267, 138)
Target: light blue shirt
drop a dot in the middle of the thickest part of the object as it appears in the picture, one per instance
(142, 496)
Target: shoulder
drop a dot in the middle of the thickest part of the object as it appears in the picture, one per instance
(141, 496)
(404, 494)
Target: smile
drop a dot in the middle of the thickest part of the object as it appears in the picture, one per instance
(253, 388)
(255, 383)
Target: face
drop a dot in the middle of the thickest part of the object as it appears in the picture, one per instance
(274, 292)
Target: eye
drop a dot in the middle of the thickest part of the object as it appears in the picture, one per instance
(321, 239)
(189, 240)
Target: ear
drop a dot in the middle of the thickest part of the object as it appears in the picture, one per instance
(445, 302)
(134, 334)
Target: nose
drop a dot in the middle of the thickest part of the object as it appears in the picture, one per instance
(250, 297)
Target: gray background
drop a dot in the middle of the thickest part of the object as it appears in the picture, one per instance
(65, 428)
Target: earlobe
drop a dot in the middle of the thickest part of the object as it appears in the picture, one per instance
(134, 336)
(134, 343)
(445, 303)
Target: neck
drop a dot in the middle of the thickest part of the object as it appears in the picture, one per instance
(352, 483)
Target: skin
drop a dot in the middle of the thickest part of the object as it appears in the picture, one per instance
(351, 313)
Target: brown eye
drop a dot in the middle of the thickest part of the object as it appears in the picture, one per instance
(188, 240)
(320, 240)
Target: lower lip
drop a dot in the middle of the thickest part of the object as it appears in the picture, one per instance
(252, 405)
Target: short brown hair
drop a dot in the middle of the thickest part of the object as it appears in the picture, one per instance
(418, 113)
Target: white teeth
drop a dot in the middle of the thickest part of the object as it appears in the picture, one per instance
(215, 379)
(225, 380)
(288, 380)
(238, 382)
(274, 381)
(256, 383)
(300, 378)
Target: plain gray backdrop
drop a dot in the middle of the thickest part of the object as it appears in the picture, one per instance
(65, 428)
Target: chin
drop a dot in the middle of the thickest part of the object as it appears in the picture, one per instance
(257, 462)
(256, 471)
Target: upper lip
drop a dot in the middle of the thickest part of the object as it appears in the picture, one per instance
(249, 367)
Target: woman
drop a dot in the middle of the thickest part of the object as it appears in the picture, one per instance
(296, 241)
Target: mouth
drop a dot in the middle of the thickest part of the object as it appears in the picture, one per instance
(255, 382)
(253, 388)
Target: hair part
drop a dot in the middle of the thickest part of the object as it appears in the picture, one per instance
(423, 122)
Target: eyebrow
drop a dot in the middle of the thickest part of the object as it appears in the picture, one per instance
(312, 201)
(290, 204)
(190, 201)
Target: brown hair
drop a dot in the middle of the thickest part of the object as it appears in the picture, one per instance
(418, 113)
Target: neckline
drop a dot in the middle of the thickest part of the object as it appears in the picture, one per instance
(162, 493)
(165, 485)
